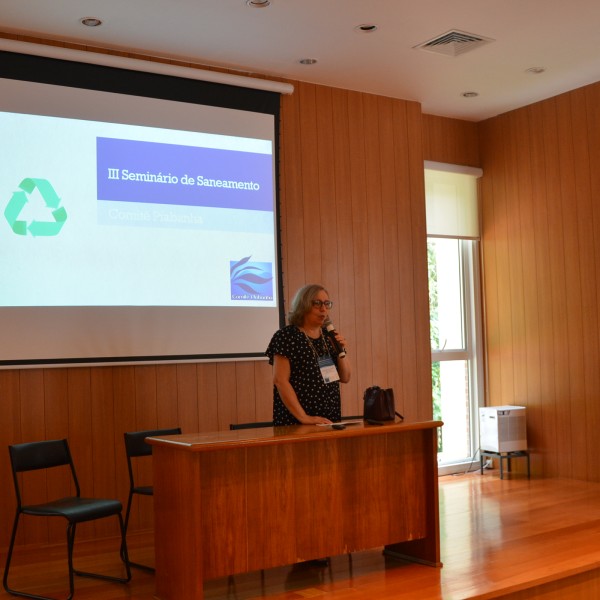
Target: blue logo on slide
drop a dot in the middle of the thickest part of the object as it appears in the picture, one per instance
(251, 280)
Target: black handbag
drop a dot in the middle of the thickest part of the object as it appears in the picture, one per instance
(379, 405)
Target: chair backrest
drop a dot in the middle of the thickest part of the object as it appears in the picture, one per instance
(135, 444)
(32, 456)
(252, 425)
(39, 455)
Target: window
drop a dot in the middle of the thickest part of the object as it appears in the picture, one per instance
(455, 315)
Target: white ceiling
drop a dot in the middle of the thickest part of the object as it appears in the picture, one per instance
(562, 37)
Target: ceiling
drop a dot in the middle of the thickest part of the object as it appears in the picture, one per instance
(560, 37)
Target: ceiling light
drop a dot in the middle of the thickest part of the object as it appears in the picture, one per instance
(470, 94)
(308, 61)
(258, 3)
(365, 28)
(535, 70)
(91, 21)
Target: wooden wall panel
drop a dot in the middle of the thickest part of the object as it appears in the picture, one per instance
(541, 264)
(530, 371)
(416, 325)
(592, 279)
(352, 218)
(392, 332)
(376, 253)
(346, 252)
(544, 397)
(450, 141)
(573, 261)
(361, 351)
(557, 290)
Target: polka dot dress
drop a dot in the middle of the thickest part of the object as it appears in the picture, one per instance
(316, 397)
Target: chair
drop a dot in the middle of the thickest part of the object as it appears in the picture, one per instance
(253, 425)
(75, 509)
(136, 447)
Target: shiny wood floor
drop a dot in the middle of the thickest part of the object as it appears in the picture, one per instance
(510, 538)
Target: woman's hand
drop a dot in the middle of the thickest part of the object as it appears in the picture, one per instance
(315, 421)
(341, 340)
(343, 364)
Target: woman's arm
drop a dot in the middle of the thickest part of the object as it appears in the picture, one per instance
(281, 380)
(343, 367)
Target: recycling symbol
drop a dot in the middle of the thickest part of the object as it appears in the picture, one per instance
(20, 199)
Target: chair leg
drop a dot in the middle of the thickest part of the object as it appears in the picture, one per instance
(9, 553)
(141, 566)
(127, 560)
(7, 568)
(71, 528)
(124, 558)
(123, 553)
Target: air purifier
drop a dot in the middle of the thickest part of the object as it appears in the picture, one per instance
(502, 428)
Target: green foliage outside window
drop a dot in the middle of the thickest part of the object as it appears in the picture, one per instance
(434, 335)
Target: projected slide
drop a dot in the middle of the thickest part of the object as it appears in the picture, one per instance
(138, 216)
(111, 214)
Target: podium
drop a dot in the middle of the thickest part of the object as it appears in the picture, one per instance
(237, 501)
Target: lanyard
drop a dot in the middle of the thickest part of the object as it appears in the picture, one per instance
(325, 362)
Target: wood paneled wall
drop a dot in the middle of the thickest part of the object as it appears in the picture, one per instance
(450, 141)
(352, 218)
(541, 246)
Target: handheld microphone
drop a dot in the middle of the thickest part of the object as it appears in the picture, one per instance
(330, 332)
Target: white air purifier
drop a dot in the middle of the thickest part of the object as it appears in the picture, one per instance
(502, 428)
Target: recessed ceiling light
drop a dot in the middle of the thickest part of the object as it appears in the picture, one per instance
(535, 70)
(308, 61)
(366, 28)
(258, 3)
(91, 21)
(470, 94)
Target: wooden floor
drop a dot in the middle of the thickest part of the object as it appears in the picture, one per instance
(510, 538)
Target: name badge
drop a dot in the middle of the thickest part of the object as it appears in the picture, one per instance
(328, 370)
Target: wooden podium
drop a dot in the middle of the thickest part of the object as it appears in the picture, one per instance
(237, 501)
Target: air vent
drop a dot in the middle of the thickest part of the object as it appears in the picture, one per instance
(454, 43)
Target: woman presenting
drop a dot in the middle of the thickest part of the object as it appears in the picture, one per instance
(307, 370)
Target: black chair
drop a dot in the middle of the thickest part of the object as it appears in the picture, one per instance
(253, 425)
(136, 447)
(75, 509)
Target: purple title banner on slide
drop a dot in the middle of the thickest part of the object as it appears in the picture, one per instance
(156, 173)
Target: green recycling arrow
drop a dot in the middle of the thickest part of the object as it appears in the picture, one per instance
(20, 199)
(12, 211)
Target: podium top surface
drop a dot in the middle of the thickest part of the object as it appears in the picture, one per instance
(202, 442)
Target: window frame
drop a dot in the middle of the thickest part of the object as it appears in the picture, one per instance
(472, 353)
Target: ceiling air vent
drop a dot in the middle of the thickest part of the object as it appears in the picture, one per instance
(453, 43)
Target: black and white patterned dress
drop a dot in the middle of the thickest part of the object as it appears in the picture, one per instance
(316, 397)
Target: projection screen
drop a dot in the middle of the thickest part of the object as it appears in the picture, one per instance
(138, 216)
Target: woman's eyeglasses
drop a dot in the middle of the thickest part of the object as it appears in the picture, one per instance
(326, 303)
